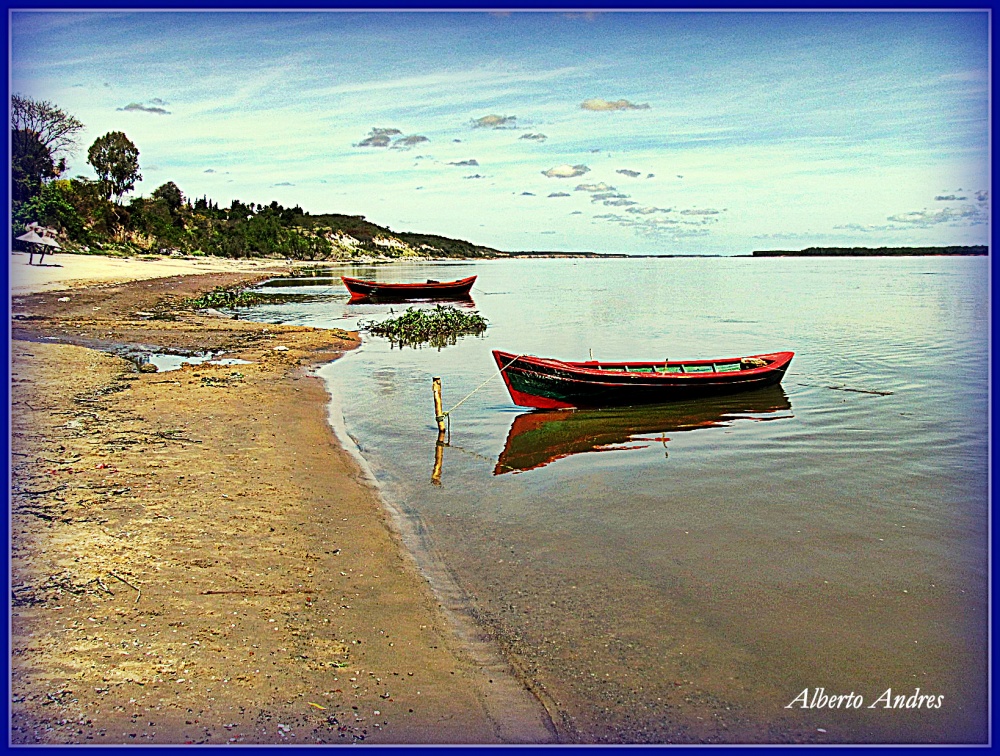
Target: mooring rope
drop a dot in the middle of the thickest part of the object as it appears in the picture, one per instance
(447, 414)
(490, 293)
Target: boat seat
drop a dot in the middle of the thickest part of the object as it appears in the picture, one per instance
(698, 369)
(670, 369)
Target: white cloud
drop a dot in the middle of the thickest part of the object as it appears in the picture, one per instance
(598, 104)
(566, 171)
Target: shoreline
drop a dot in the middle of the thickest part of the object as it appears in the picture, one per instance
(149, 508)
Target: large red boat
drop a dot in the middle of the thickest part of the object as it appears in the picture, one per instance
(555, 384)
(361, 289)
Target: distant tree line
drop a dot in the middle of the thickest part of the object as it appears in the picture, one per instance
(872, 251)
(92, 215)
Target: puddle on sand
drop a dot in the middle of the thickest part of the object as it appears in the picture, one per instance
(167, 362)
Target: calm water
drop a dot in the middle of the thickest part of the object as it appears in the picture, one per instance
(684, 573)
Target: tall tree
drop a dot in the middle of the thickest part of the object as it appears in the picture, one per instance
(30, 165)
(56, 130)
(116, 161)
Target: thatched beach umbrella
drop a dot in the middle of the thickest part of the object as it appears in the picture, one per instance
(42, 241)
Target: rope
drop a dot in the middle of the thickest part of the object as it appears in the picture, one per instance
(490, 293)
(447, 414)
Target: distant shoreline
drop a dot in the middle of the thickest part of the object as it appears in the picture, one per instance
(874, 252)
(808, 252)
(600, 255)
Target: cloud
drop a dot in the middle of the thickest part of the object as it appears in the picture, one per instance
(135, 107)
(527, 194)
(410, 141)
(465, 162)
(965, 216)
(627, 172)
(949, 197)
(379, 137)
(621, 202)
(379, 140)
(647, 210)
(495, 122)
(209, 170)
(560, 194)
(601, 187)
(534, 137)
(861, 228)
(657, 227)
(798, 235)
(566, 171)
(577, 212)
(983, 195)
(706, 211)
(382, 137)
(598, 104)
(600, 196)
(284, 183)
(475, 176)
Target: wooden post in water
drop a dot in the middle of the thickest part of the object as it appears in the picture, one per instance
(439, 446)
(438, 405)
(438, 459)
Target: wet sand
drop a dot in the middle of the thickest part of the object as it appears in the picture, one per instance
(194, 556)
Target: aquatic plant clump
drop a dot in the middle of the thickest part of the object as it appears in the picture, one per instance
(229, 298)
(439, 327)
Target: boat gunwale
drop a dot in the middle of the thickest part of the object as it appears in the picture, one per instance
(595, 368)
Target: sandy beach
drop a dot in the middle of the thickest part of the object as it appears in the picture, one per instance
(194, 556)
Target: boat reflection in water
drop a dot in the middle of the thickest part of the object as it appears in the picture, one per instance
(539, 438)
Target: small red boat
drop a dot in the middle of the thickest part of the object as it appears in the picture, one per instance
(361, 289)
(554, 384)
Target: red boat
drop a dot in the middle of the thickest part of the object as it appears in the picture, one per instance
(361, 289)
(554, 384)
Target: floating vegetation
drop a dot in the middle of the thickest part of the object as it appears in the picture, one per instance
(221, 297)
(439, 327)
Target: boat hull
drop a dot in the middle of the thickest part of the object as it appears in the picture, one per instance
(553, 384)
(361, 289)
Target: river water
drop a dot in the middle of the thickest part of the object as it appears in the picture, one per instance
(686, 573)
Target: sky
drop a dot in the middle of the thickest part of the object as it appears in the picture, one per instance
(645, 132)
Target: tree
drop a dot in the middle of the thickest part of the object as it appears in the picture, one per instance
(54, 206)
(172, 195)
(116, 161)
(30, 165)
(55, 129)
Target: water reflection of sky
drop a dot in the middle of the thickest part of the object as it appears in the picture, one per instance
(771, 537)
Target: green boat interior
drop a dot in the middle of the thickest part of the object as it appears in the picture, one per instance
(717, 367)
